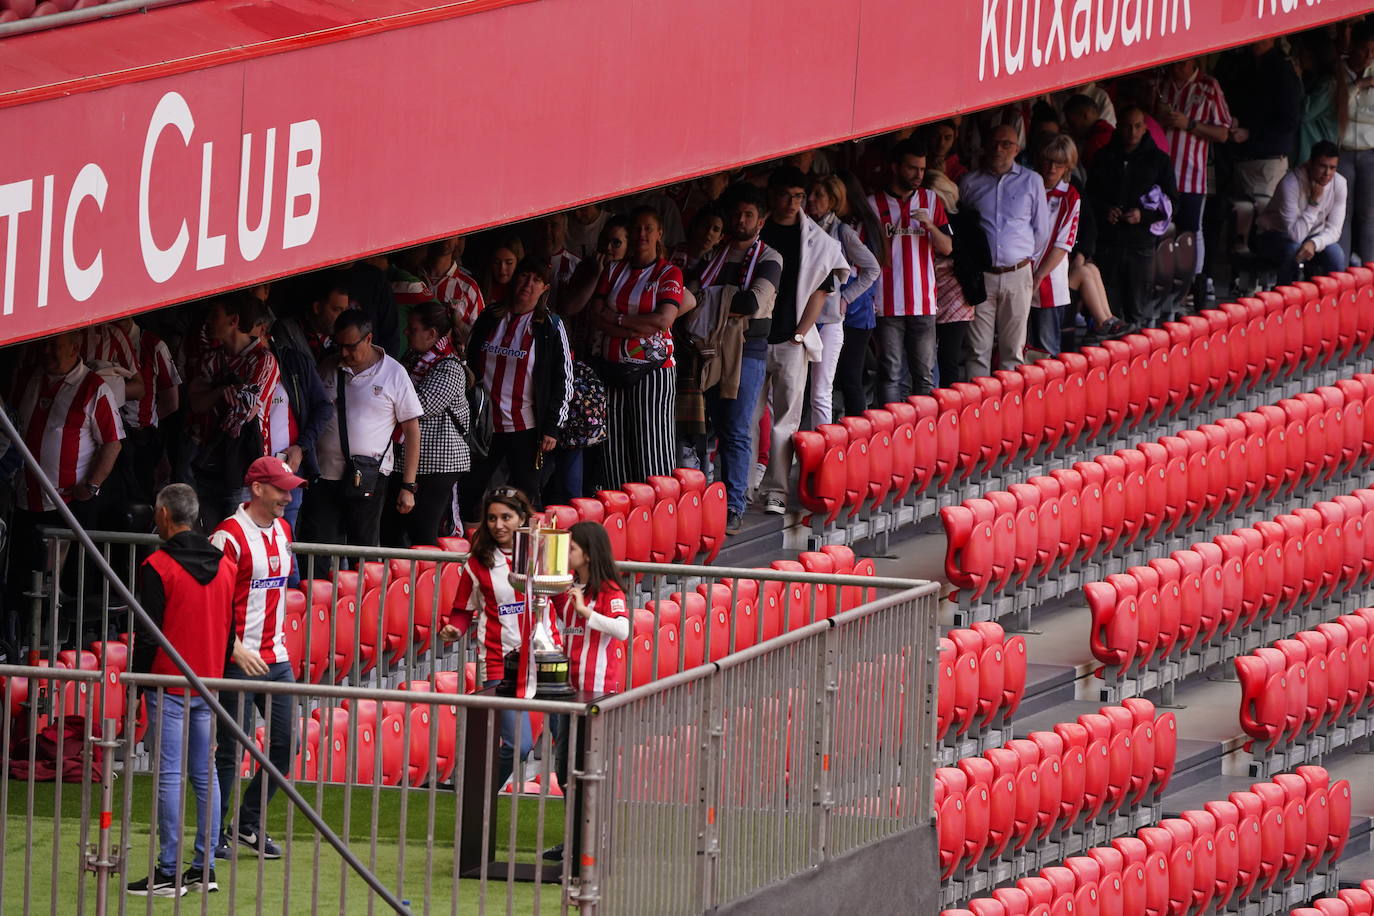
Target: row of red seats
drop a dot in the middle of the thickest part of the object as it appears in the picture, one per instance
(1254, 843)
(1047, 784)
(1352, 901)
(677, 519)
(731, 615)
(14, 10)
(1196, 598)
(1126, 499)
(1305, 686)
(982, 678)
(1059, 404)
(109, 694)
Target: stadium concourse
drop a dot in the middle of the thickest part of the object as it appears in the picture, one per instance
(1098, 362)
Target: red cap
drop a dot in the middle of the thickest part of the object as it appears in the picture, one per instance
(273, 471)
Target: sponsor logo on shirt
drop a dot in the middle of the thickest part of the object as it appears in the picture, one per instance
(510, 352)
(514, 607)
(269, 582)
(574, 631)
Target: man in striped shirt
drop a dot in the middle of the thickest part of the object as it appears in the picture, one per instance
(1194, 114)
(69, 421)
(258, 539)
(917, 229)
(231, 403)
(161, 384)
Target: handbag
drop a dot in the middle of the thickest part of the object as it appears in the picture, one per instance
(631, 370)
(587, 411)
(362, 473)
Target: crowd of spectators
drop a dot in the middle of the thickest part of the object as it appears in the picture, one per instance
(702, 324)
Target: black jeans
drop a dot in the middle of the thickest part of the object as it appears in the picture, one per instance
(518, 454)
(951, 351)
(330, 516)
(849, 373)
(28, 553)
(1128, 276)
(279, 711)
(433, 502)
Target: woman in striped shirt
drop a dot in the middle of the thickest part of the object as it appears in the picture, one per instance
(636, 302)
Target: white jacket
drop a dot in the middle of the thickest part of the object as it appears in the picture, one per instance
(1291, 211)
(1359, 131)
(821, 255)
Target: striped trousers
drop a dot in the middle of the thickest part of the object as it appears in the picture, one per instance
(642, 429)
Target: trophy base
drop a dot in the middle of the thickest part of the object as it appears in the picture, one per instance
(552, 672)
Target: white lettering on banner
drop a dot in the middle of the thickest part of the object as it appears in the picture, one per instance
(45, 243)
(1279, 7)
(82, 282)
(15, 198)
(301, 181)
(161, 263)
(209, 249)
(1093, 26)
(253, 240)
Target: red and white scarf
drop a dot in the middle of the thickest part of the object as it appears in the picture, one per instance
(751, 261)
(419, 364)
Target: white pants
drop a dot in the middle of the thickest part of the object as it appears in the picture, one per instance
(784, 391)
(823, 373)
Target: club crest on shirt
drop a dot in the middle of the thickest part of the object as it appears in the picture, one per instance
(376, 391)
(274, 564)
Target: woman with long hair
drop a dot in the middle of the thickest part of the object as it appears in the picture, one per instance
(826, 198)
(519, 352)
(488, 605)
(860, 317)
(440, 382)
(592, 618)
(500, 274)
(632, 313)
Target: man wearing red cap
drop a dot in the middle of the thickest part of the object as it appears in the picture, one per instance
(258, 538)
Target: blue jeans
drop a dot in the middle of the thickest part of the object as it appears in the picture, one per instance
(1045, 327)
(1283, 251)
(166, 717)
(732, 419)
(511, 722)
(563, 476)
(280, 711)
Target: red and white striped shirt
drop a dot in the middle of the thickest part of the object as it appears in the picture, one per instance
(1201, 99)
(594, 665)
(159, 375)
(1065, 207)
(638, 291)
(64, 420)
(258, 374)
(263, 556)
(508, 373)
(281, 422)
(496, 607)
(908, 286)
(459, 291)
(563, 264)
(109, 343)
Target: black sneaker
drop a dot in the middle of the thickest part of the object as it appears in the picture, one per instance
(554, 853)
(157, 884)
(193, 879)
(262, 845)
(734, 523)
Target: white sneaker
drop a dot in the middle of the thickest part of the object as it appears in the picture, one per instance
(775, 505)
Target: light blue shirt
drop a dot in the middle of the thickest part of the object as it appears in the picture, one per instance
(1012, 210)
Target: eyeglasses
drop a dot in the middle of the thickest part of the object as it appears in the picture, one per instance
(350, 347)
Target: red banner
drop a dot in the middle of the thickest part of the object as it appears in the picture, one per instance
(146, 193)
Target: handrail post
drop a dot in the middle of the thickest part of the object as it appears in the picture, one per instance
(712, 752)
(590, 783)
(826, 675)
(102, 862)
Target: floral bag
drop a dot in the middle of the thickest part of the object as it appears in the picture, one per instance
(586, 424)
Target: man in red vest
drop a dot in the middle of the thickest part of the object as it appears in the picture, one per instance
(187, 588)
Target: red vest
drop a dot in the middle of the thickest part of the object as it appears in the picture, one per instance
(197, 619)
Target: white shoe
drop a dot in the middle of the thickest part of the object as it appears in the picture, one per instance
(775, 505)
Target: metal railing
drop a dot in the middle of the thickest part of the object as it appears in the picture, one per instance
(821, 721)
(719, 781)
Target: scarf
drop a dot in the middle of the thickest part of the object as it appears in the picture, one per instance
(419, 364)
(717, 263)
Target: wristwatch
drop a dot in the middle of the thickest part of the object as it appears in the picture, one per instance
(94, 488)
(409, 487)
(798, 338)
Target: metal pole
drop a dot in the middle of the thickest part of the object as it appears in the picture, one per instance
(589, 784)
(136, 609)
(102, 863)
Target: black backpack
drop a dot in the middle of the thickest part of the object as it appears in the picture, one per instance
(477, 432)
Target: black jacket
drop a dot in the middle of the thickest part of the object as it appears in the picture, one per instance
(1120, 178)
(971, 254)
(309, 403)
(201, 559)
(552, 366)
(1266, 97)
